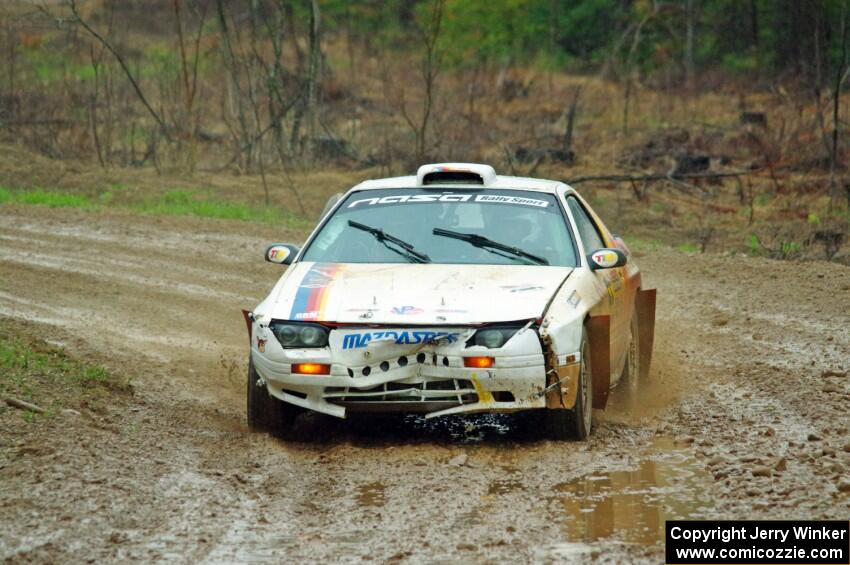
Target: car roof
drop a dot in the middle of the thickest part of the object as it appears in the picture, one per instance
(488, 175)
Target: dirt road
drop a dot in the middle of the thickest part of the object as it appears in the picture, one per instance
(747, 417)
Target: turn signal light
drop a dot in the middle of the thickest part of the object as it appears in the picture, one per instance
(311, 368)
(478, 362)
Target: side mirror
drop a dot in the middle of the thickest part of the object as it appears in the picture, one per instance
(606, 258)
(281, 253)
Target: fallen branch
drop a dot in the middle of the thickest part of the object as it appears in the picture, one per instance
(23, 405)
(659, 176)
(681, 185)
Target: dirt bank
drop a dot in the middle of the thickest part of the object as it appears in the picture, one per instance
(747, 416)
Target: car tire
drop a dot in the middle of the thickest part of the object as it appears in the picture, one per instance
(265, 412)
(631, 368)
(576, 423)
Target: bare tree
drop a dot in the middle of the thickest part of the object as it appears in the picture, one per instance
(96, 62)
(307, 107)
(72, 4)
(189, 76)
(258, 100)
(572, 112)
(840, 75)
(627, 72)
(429, 31)
(690, 32)
(314, 66)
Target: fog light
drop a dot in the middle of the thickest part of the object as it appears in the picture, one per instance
(311, 368)
(478, 362)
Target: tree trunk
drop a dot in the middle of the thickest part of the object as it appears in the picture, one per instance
(313, 69)
(834, 189)
(690, 24)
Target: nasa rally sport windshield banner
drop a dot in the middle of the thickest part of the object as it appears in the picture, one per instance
(361, 201)
(764, 542)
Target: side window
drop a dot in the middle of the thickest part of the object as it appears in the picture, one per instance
(590, 236)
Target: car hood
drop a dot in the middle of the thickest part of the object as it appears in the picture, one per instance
(414, 294)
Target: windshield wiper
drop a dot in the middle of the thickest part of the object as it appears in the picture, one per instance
(490, 245)
(406, 249)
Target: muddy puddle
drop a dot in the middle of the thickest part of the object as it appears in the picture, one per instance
(371, 494)
(631, 506)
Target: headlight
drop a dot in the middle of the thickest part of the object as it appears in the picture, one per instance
(493, 338)
(291, 334)
(311, 336)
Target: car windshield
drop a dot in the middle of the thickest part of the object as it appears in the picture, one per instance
(495, 227)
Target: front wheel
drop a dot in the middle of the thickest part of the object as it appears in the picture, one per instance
(575, 423)
(265, 412)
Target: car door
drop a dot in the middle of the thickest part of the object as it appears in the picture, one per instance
(613, 280)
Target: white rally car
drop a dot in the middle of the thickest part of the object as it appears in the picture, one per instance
(453, 291)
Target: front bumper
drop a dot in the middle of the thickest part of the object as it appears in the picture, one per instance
(428, 378)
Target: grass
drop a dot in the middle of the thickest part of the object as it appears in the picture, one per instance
(18, 358)
(184, 203)
(688, 248)
(641, 245)
(45, 375)
(171, 203)
(40, 197)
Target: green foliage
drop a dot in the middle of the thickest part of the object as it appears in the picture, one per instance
(756, 38)
(658, 208)
(778, 248)
(162, 64)
(51, 66)
(754, 246)
(550, 33)
(762, 199)
(750, 38)
(688, 248)
(385, 24)
(813, 219)
(489, 32)
(789, 248)
(741, 64)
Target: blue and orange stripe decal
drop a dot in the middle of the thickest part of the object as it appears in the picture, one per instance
(311, 298)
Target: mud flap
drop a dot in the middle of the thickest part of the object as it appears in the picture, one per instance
(599, 335)
(247, 315)
(645, 309)
(562, 387)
